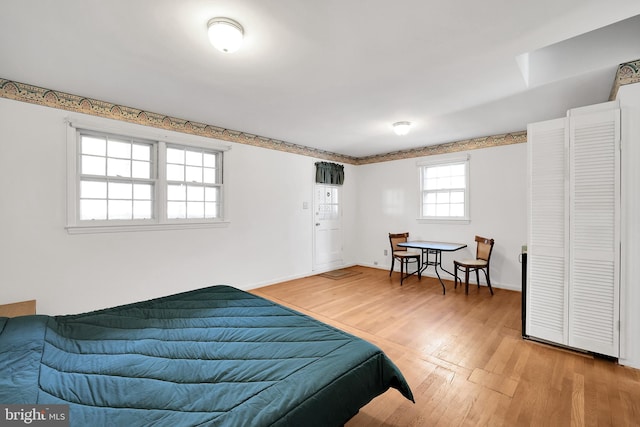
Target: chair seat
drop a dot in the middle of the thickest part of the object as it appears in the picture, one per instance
(472, 263)
(406, 254)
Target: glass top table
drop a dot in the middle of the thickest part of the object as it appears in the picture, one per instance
(434, 249)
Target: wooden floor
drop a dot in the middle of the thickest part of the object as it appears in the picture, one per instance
(463, 355)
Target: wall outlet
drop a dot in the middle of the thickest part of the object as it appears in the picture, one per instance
(375, 262)
(386, 252)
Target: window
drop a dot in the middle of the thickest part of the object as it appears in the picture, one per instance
(444, 188)
(119, 182)
(117, 178)
(193, 183)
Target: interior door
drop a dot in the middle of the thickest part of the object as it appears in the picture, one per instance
(595, 232)
(327, 251)
(548, 275)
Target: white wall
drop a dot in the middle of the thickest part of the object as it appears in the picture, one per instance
(388, 201)
(629, 97)
(268, 240)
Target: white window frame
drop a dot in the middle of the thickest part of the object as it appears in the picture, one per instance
(423, 165)
(160, 141)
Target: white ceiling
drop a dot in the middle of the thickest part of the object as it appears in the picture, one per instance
(331, 74)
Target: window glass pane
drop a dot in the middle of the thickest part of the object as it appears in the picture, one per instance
(458, 182)
(457, 209)
(195, 194)
(176, 192)
(141, 152)
(194, 158)
(211, 194)
(93, 209)
(93, 165)
(432, 184)
(118, 167)
(209, 160)
(442, 210)
(210, 210)
(142, 209)
(194, 174)
(195, 210)
(176, 210)
(430, 172)
(429, 198)
(93, 190)
(140, 169)
(430, 210)
(209, 176)
(442, 198)
(457, 197)
(119, 149)
(442, 171)
(142, 191)
(444, 182)
(175, 155)
(457, 169)
(119, 190)
(93, 145)
(175, 173)
(120, 209)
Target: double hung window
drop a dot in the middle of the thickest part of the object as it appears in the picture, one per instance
(117, 178)
(119, 182)
(444, 189)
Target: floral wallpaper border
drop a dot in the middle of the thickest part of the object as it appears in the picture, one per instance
(627, 73)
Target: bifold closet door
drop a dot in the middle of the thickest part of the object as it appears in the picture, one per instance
(594, 288)
(547, 252)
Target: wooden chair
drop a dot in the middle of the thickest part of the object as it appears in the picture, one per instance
(402, 255)
(481, 262)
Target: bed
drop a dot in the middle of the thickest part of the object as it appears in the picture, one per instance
(216, 356)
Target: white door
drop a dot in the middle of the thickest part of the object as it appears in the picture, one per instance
(595, 231)
(327, 251)
(548, 275)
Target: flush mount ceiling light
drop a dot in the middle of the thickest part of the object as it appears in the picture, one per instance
(401, 128)
(225, 34)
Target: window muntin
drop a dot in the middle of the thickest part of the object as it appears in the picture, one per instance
(444, 190)
(116, 181)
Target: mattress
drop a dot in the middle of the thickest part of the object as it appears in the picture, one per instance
(216, 356)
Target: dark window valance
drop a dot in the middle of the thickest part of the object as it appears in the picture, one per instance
(329, 173)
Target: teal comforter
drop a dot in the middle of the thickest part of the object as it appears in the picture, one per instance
(216, 356)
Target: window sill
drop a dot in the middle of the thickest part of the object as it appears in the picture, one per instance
(92, 229)
(461, 221)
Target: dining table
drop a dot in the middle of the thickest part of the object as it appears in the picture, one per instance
(431, 255)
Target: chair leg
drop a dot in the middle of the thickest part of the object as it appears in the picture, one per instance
(486, 273)
(478, 278)
(455, 277)
(466, 281)
(393, 260)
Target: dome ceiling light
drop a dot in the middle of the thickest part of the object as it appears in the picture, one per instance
(401, 128)
(225, 34)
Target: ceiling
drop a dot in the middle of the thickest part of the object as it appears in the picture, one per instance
(333, 74)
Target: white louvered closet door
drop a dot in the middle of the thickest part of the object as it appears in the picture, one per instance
(547, 252)
(594, 140)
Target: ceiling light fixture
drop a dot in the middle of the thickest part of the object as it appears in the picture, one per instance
(401, 128)
(225, 34)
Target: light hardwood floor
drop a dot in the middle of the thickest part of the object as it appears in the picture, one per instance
(463, 355)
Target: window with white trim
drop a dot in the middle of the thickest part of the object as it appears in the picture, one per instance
(444, 189)
(119, 182)
(193, 183)
(117, 178)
